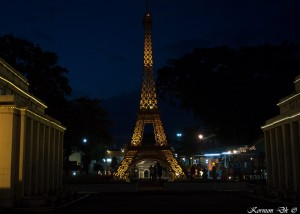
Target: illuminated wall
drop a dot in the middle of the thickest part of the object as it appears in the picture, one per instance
(31, 143)
(282, 144)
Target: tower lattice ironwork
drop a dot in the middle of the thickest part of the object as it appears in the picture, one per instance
(148, 114)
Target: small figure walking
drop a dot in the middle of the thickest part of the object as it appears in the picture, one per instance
(192, 172)
(151, 170)
(205, 174)
(158, 168)
(214, 172)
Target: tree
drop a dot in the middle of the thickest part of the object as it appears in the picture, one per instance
(47, 80)
(232, 90)
(88, 120)
(81, 116)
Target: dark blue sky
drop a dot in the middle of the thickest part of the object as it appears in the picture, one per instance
(101, 42)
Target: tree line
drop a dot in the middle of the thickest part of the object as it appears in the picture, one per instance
(232, 90)
(82, 116)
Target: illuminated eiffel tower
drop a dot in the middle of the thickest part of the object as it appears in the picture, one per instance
(148, 114)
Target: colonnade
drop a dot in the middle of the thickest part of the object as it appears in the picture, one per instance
(282, 151)
(282, 143)
(31, 142)
(42, 161)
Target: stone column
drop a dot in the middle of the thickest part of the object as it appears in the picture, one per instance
(35, 157)
(61, 142)
(295, 154)
(274, 158)
(280, 158)
(56, 169)
(287, 163)
(52, 159)
(28, 157)
(41, 159)
(267, 137)
(47, 159)
(20, 191)
(6, 156)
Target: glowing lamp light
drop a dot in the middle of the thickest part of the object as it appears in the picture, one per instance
(213, 154)
(84, 140)
(200, 136)
(179, 134)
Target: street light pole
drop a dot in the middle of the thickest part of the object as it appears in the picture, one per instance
(179, 135)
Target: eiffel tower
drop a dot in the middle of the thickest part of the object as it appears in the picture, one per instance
(148, 114)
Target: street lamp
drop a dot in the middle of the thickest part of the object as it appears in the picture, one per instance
(179, 135)
(200, 136)
(84, 140)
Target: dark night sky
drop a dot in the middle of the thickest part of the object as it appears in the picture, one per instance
(101, 42)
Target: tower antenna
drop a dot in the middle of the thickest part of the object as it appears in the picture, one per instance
(147, 6)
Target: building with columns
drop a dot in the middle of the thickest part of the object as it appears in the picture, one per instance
(282, 144)
(31, 143)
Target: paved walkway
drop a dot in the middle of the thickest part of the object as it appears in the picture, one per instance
(159, 186)
(159, 197)
(170, 202)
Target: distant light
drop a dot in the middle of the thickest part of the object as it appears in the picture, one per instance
(179, 134)
(206, 161)
(74, 173)
(108, 160)
(234, 151)
(104, 160)
(200, 136)
(176, 155)
(84, 140)
(214, 154)
(183, 159)
(226, 153)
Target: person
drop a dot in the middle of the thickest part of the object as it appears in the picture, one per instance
(224, 174)
(192, 172)
(151, 170)
(204, 176)
(159, 170)
(214, 172)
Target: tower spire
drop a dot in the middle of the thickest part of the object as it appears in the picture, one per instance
(148, 114)
(147, 6)
(148, 92)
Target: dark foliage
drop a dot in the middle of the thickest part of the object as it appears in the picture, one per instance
(83, 117)
(234, 91)
(46, 77)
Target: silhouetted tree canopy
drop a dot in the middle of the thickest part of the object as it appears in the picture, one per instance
(47, 80)
(234, 91)
(89, 120)
(83, 117)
